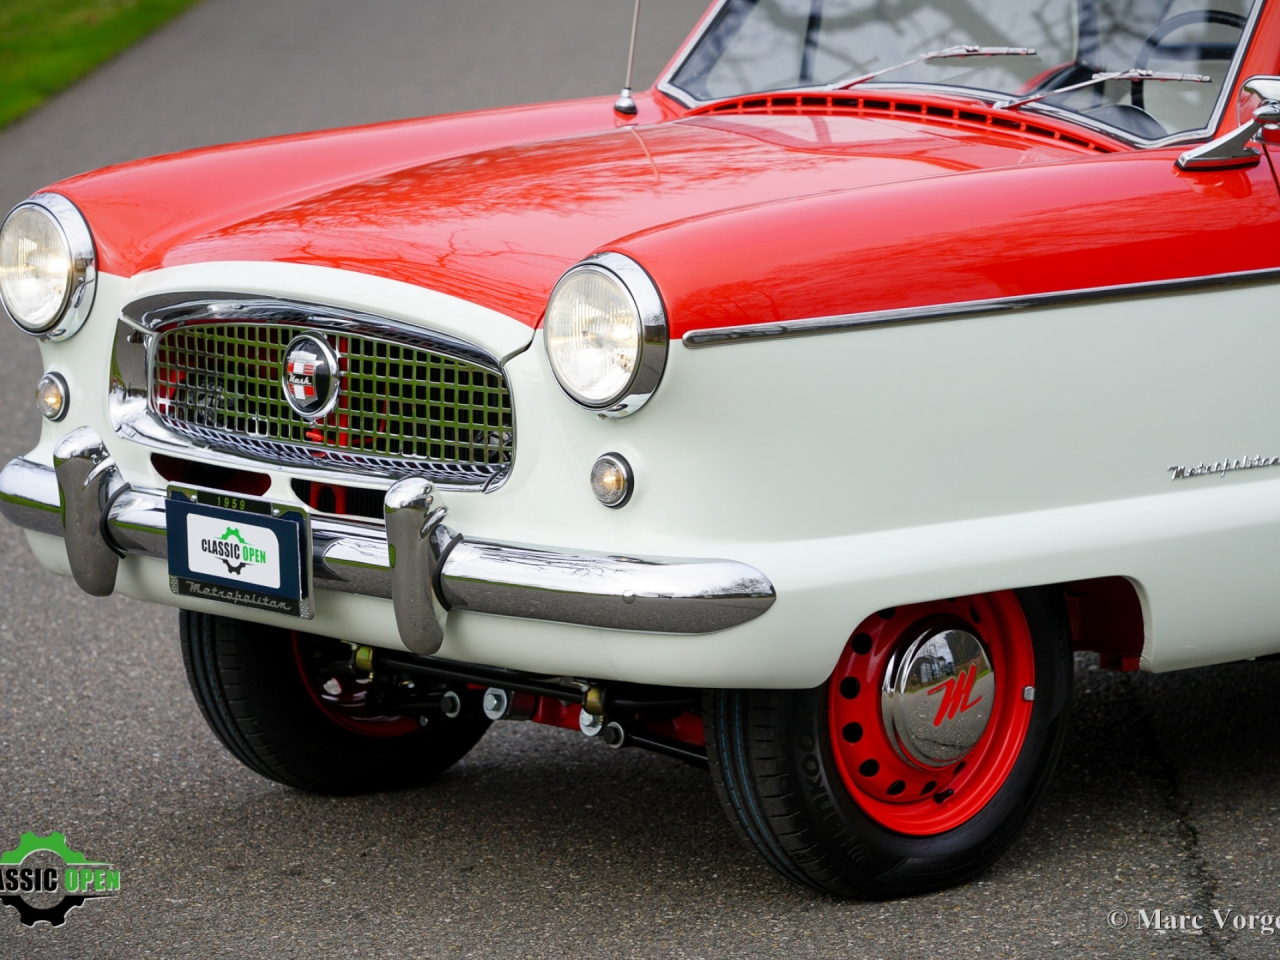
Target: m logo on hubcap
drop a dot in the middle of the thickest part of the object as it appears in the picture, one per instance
(926, 730)
(955, 699)
(310, 376)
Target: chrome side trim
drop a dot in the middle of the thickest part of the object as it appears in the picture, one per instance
(971, 308)
(618, 593)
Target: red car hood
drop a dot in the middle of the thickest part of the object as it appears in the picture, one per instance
(498, 226)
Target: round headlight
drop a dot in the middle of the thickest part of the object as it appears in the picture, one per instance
(47, 267)
(606, 334)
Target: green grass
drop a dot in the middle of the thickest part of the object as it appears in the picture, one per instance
(46, 45)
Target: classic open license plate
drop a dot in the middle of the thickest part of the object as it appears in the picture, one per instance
(239, 550)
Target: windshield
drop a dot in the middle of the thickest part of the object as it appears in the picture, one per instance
(758, 45)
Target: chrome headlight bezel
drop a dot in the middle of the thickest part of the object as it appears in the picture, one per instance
(82, 271)
(652, 343)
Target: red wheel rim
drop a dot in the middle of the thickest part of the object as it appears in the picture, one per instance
(898, 794)
(345, 702)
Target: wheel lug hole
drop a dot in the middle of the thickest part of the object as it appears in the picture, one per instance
(861, 643)
(896, 788)
(850, 687)
(959, 767)
(852, 732)
(869, 768)
(928, 788)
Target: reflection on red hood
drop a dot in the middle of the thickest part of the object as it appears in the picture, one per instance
(498, 225)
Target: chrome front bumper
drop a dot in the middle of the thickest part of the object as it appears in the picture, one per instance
(84, 499)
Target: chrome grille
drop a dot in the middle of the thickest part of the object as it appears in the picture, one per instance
(403, 407)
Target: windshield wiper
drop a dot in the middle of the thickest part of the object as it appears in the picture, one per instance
(965, 50)
(1133, 74)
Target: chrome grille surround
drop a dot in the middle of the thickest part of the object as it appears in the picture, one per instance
(412, 401)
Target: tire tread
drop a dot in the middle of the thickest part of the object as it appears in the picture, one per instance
(248, 688)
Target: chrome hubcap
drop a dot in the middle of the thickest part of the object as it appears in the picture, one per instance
(937, 696)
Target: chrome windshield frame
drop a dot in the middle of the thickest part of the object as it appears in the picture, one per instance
(665, 85)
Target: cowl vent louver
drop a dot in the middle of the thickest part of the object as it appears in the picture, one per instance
(842, 104)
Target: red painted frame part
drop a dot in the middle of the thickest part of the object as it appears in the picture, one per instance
(1106, 617)
(348, 708)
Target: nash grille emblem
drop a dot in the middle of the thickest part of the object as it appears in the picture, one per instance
(302, 380)
(310, 376)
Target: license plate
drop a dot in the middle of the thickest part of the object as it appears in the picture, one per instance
(239, 550)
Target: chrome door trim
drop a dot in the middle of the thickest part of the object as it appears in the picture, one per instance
(786, 329)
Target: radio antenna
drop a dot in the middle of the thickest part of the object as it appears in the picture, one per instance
(625, 104)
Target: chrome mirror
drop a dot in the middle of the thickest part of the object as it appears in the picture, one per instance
(1264, 88)
(1232, 149)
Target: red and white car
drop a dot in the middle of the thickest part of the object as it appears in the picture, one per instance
(798, 417)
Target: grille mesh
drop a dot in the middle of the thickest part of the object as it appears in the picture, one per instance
(401, 409)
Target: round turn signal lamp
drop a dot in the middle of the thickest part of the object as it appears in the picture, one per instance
(611, 480)
(52, 396)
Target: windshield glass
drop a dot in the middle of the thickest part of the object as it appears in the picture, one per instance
(759, 45)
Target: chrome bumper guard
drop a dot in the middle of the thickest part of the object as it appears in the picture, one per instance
(424, 568)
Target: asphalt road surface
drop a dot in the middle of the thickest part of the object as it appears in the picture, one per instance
(539, 843)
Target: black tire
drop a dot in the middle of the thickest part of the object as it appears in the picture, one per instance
(247, 683)
(774, 769)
